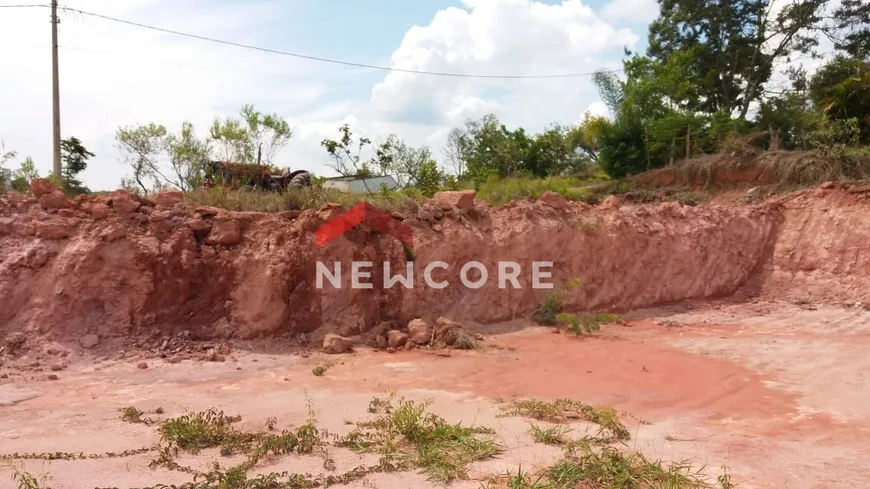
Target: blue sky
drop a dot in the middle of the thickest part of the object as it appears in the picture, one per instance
(114, 74)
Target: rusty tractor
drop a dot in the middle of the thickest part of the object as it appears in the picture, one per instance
(244, 176)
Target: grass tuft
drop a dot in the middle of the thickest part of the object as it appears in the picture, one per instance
(406, 435)
(131, 414)
(563, 410)
(554, 435)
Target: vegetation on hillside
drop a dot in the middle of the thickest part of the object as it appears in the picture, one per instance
(709, 82)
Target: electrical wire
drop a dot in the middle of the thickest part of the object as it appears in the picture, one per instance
(329, 60)
(28, 5)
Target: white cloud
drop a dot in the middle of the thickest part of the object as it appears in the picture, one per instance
(500, 37)
(114, 74)
(631, 10)
(598, 108)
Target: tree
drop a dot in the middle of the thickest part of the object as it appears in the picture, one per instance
(141, 147)
(395, 157)
(726, 49)
(255, 137)
(490, 148)
(24, 175)
(347, 155)
(75, 160)
(429, 178)
(853, 22)
(586, 136)
(5, 156)
(552, 153)
(188, 156)
(454, 150)
(841, 90)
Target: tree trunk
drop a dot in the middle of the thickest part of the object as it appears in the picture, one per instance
(774, 138)
(688, 142)
(646, 143)
(673, 148)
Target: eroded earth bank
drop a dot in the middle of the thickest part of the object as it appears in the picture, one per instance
(743, 343)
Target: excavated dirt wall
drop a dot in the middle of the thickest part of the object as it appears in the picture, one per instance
(121, 265)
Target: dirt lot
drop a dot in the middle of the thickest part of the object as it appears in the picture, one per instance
(774, 391)
(133, 331)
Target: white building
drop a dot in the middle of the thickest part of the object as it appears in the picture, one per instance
(361, 185)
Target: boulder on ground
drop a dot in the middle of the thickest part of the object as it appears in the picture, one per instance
(53, 229)
(335, 344)
(42, 186)
(611, 202)
(459, 199)
(169, 198)
(226, 232)
(124, 202)
(554, 200)
(89, 341)
(396, 339)
(419, 332)
(54, 200)
(99, 210)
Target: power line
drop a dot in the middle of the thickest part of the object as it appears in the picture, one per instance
(27, 5)
(328, 60)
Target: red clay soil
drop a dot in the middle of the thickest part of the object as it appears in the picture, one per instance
(122, 265)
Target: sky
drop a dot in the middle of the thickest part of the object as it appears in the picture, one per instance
(114, 74)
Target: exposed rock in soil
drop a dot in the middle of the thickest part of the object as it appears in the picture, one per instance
(419, 332)
(554, 200)
(335, 344)
(460, 199)
(89, 341)
(396, 339)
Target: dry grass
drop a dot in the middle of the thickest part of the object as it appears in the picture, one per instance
(298, 199)
(781, 169)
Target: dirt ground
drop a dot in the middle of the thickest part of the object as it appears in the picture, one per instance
(775, 391)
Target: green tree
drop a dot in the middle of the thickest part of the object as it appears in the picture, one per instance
(552, 152)
(429, 178)
(841, 90)
(188, 156)
(141, 147)
(5, 174)
(586, 136)
(24, 175)
(254, 137)
(75, 160)
(852, 19)
(395, 157)
(346, 154)
(726, 50)
(491, 149)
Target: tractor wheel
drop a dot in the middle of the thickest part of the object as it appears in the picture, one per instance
(300, 180)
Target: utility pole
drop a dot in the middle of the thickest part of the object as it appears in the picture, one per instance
(55, 89)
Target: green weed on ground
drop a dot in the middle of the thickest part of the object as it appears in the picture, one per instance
(554, 435)
(564, 410)
(606, 468)
(26, 480)
(406, 436)
(586, 324)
